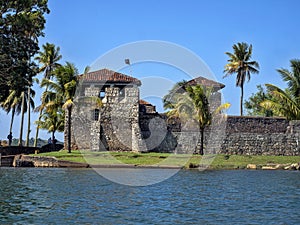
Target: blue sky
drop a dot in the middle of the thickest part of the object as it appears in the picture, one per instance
(85, 30)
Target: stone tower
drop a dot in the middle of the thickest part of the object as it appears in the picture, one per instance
(106, 112)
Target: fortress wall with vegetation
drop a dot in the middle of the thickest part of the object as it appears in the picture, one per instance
(238, 135)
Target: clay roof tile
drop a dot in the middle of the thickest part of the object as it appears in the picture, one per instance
(110, 76)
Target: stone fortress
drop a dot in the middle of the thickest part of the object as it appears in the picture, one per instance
(122, 121)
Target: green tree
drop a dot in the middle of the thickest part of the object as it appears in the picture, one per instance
(48, 59)
(239, 63)
(52, 121)
(21, 23)
(168, 99)
(194, 105)
(12, 104)
(26, 96)
(286, 102)
(253, 106)
(61, 93)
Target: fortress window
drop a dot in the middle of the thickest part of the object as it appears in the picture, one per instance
(102, 94)
(96, 113)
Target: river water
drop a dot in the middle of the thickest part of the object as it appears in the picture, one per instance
(82, 196)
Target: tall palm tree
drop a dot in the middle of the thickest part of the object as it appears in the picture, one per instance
(30, 105)
(12, 104)
(286, 102)
(26, 96)
(62, 91)
(194, 105)
(240, 63)
(48, 58)
(199, 96)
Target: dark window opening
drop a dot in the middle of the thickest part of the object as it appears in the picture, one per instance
(96, 114)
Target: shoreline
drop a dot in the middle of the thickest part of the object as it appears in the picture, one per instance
(53, 162)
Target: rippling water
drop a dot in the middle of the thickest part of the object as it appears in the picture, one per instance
(81, 196)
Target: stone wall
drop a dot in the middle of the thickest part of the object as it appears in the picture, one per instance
(232, 135)
(257, 125)
(261, 136)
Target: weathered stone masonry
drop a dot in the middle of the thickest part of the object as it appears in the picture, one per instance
(261, 136)
(126, 123)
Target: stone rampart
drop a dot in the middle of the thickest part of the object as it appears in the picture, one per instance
(261, 136)
(237, 135)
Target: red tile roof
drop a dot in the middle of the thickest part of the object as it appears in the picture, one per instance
(205, 82)
(110, 76)
(143, 102)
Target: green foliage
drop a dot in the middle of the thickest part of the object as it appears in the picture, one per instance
(61, 91)
(21, 23)
(199, 96)
(240, 63)
(191, 104)
(52, 121)
(286, 102)
(169, 100)
(253, 106)
(48, 59)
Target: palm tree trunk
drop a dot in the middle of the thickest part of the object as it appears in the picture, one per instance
(11, 124)
(53, 140)
(28, 118)
(37, 127)
(22, 119)
(241, 101)
(69, 128)
(37, 130)
(12, 119)
(201, 141)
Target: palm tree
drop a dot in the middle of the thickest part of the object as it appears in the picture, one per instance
(30, 105)
(239, 63)
(26, 96)
(194, 105)
(52, 121)
(15, 102)
(168, 99)
(48, 58)
(199, 96)
(283, 103)
(12, 103)
(292, 77)
(286, 102)
(61, 93)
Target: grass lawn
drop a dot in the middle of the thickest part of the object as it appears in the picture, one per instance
(166, 159)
